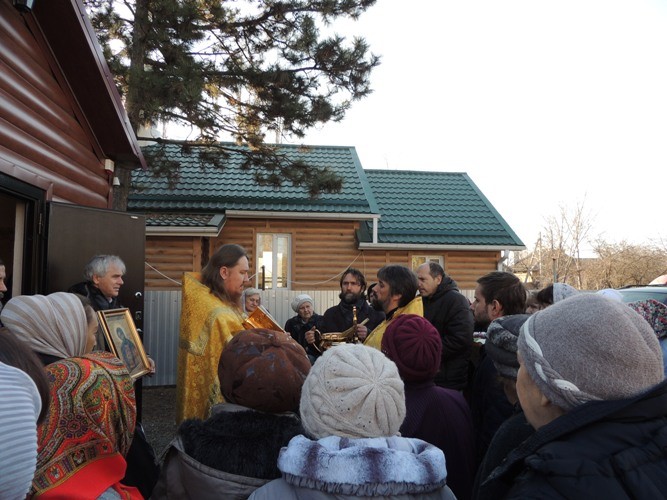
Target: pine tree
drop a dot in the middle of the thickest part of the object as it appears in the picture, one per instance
(240, 69)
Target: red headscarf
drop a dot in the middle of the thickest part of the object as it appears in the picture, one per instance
(83, 442)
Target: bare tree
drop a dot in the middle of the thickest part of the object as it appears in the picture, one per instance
(623, 264)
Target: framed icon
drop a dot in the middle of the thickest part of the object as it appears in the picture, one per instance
(124, 341)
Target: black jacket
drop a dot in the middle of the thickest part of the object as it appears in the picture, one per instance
(449, 311)
(602, 449)
(510, 434)
(98, 300)
(339, 318)
(297, 328)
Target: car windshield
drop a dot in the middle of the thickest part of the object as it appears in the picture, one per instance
(631, 295)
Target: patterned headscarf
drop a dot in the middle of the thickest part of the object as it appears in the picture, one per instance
(655, 313)
(91, 419)
(52, 324)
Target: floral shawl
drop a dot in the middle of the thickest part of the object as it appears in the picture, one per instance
(89, 429)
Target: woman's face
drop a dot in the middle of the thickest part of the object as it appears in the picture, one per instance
(306, 311)
(235, 278)
(252, 302)
(91, 337)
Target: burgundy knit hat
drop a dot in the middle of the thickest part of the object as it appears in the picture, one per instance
(264, 370)
(414, 344)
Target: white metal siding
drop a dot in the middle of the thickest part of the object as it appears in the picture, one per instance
(163, 311)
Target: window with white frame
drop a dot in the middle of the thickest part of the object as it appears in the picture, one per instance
(418, 260)
(273, 260)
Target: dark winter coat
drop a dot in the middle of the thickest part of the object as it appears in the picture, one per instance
(297, 328)
(449, 311)
(339, 318)
(488, 404)
(514, 431)
(442, 417)
(97, 298)
(601, 449)
(229, 455)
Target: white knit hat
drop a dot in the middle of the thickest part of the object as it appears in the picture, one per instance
(589, 348)
(20, 407)
(352, 391)
(299, 300)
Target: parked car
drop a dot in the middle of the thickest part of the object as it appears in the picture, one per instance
(635, 293)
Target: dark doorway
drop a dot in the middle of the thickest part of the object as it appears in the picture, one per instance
(21, 210)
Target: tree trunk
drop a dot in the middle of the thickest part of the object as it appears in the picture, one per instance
(133, 99)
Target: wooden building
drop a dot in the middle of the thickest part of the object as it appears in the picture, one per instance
(296, 242)
(63, 131)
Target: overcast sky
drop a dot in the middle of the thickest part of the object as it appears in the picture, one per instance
(541, 103)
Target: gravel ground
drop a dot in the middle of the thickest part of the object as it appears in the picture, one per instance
(158, 418)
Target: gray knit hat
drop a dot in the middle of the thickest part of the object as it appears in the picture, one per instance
(299, 300)
(589, 348)
(501, 343)
(352, 391)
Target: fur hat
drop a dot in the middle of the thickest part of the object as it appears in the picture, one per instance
(589, 348)
(414, 344)
(299, 300)
(263, 370)
(353, 391)
(501, 343)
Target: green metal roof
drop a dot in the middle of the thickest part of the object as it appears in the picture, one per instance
(434, 208)
(203, 188)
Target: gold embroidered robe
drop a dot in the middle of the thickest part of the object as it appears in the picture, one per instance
(207, 324)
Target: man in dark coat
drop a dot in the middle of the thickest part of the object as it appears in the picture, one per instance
(449, 311)
(497, 294)
(339, 318)
(104, 277)
(591, 383)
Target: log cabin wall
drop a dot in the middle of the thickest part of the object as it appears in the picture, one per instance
(321, 250)
(41, 131)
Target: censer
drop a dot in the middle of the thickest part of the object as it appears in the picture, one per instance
(324, 341)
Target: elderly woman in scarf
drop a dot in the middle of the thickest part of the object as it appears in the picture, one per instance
(83, 442)
(88, 432)
(55, 326)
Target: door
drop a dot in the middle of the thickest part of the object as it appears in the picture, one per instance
(75, 234)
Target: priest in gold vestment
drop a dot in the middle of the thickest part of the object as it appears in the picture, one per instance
(210, 316)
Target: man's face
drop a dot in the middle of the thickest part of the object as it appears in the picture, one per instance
(110, 283)
(235, 278)
(350, 289)
(484, 312)
(427, 283)
(3, 275)
(383, 293)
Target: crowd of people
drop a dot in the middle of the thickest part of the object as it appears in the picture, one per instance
(564, 397)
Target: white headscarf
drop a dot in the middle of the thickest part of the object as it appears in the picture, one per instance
(52, 324)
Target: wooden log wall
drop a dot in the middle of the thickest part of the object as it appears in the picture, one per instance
(41, 131)
(321, 250)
